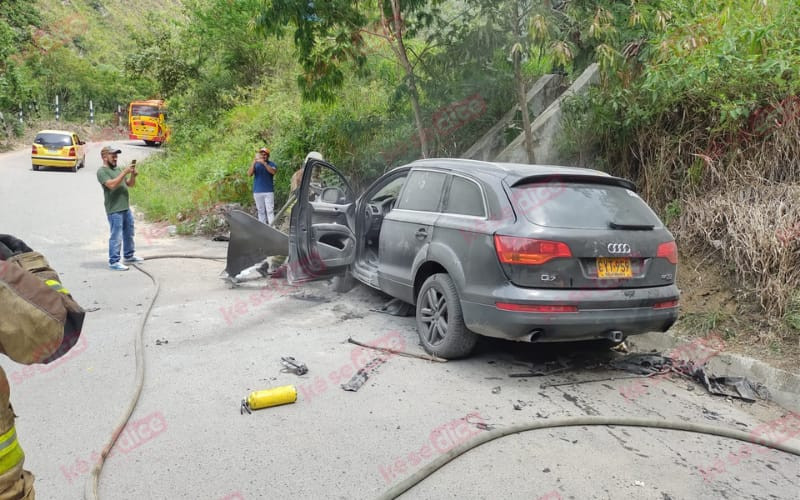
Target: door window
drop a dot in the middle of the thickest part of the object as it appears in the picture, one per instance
(328, 186)
(465, 198)
(423, 191)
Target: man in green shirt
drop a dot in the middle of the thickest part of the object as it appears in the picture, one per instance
(115, 184)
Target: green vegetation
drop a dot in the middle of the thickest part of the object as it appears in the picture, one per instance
(74, 50)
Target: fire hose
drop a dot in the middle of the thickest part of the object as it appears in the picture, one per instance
(92, 483)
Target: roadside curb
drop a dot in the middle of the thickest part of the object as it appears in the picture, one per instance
(783, 387)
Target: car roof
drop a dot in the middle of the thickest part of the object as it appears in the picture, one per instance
(66, 132)
(515, 173)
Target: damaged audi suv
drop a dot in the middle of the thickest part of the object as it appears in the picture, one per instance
(523, 252)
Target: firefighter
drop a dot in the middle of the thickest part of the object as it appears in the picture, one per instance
(41, 322)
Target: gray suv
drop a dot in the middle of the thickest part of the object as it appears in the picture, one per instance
(523, 252)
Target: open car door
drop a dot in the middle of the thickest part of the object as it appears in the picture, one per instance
(321, 238)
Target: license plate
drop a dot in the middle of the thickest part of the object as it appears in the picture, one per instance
(614, 268)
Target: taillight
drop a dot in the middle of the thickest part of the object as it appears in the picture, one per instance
(516, 250)
(72, 151)
(669, 251)
(507, 306)
(34, 151)
(666, 305)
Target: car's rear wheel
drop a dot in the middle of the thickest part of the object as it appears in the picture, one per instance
(35, 167)
(439, 320)
(75, 167)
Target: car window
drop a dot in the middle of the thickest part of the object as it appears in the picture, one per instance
(423, 191)
(465, 198)
(391, 190)
(53, 140)
(581, 206)
(328, 185)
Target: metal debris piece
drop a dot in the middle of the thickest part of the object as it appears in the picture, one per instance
(538, 373)
(251, 241)
(396, 307)
(426, 357)
(310, 297)
(643, 364)
(291, 365)
(361, 376)
(656, 364)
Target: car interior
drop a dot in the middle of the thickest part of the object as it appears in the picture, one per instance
(378, 206)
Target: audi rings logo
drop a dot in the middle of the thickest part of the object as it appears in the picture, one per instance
(619, 248)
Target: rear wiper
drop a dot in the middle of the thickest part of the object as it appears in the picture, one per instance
(631, 227)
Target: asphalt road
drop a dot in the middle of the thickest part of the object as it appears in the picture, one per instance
(208, 346)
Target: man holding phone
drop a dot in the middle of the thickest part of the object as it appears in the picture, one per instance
(115, 183)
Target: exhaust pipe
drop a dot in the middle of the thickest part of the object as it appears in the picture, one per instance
(535, 334)
(615, 336)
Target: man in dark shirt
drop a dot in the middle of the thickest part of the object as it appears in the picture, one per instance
(115, 184)
(262, 170)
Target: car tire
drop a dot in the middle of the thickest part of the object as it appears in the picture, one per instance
(74, 167)
(36, 167)
(448, 339)
(343, 283)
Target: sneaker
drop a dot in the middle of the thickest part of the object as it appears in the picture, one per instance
(135, 258)
(118, 266)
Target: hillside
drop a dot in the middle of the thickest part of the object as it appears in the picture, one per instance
(77, 50)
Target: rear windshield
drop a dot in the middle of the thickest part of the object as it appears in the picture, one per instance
(581, 206)
(53, 140)
(141, 110)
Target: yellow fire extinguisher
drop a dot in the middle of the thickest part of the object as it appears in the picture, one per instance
(269, 397)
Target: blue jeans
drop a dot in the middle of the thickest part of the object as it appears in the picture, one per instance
(121, 235)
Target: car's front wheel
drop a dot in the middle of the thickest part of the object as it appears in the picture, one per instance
(439, 319)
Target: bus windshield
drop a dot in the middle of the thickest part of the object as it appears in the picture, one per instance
(144, 110)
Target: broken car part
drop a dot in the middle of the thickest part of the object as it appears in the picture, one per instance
(361, 376)
(251, 242)
(293, 366)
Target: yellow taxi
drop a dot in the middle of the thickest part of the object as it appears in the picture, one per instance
(58, 148)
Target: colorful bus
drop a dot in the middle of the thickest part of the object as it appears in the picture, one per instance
(147, 121)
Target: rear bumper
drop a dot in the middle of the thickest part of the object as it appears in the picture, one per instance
(55, 161)
(135, 137)
(599, 312)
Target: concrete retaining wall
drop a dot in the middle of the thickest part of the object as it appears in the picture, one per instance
(539, 97)
(547, 127)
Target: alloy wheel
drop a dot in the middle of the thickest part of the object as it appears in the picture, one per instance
(434, 316)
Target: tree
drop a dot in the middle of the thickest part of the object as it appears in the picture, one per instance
(332, 33)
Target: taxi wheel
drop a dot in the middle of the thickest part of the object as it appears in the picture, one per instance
(35, 167)
(74, 167)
